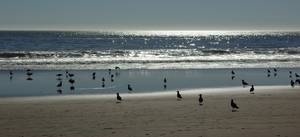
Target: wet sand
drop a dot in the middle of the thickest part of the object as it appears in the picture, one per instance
(272, 111)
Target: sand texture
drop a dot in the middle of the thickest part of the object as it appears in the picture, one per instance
(270, 112)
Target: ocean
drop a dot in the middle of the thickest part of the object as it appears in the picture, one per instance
(187, 59)
(59, 50)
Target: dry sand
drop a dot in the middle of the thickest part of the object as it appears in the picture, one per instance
(270, 112)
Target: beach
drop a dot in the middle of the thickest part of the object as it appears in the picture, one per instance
(273, 111)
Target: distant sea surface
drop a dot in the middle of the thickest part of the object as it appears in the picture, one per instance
(55, 50)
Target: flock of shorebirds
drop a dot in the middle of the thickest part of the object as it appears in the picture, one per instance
(234, 106)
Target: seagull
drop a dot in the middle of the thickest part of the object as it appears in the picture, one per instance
(129, 87)
(94, 75)
(179, 97)
(252, 89)
(290, 74)
(232, 72)
(11, 73)
(72, 81)
(59, 84)
(232, 77)
(165, 86)
(244, 83)
(119, 98)
(71, 75)
(59, 91)
(292, 83)
(200, 99)
(297, 81)
(233, 106)
(29, 73)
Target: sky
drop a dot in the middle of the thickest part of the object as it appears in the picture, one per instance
(150, 14)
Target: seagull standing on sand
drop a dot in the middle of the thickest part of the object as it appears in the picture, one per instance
(252, 89)
(292, 83)
(233, 106)
(200, 99)
(179, 97)
(119, 98)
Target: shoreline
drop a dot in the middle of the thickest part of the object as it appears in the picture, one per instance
(237, 90)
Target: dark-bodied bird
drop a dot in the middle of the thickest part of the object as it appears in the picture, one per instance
(200, 99)
(269, 71)
(109, 71)
(59, 75)
(244, 83)
(252, 89)
(94, 75)
(29, 78)
(67, 73)
(29, 73)
(233, 105)
(290, 72)
(165, 80)
(165, 86)
(297, 75)
(59, 84)
(72, 81)
(179, 97)
(72, 88)
(119, 98)
(232, 72)
(275, 70)
(292, 83)
(71, 75)
(11, 73)
(59, 91)
(297, 81)
(117, 68)
(112, 78)
(103, 79)
(129, 87)
(232, 77)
